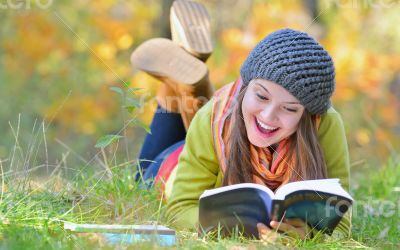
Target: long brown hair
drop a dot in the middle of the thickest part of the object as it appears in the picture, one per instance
(303, 145)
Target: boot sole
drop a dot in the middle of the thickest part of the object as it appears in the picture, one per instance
(190, 28)
(165, 60)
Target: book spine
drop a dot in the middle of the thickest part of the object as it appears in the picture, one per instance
(276, 207)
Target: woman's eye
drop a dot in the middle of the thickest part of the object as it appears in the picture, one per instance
(261, 97)
(291, 110)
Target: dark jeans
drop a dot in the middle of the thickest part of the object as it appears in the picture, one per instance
(167, 134)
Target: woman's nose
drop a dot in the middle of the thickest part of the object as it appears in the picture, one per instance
(268, 113)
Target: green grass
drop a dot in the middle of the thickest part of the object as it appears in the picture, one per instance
(377, 216)
(32, 212)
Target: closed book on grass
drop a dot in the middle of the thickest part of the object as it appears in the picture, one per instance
(320, 203)
(127, 234)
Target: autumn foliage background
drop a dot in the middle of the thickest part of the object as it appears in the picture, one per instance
(57, 66)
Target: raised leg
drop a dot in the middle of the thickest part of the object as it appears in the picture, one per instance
(166, 129)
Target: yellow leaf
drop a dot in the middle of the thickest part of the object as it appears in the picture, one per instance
(362, 136)
(106, 51)
(125, 41)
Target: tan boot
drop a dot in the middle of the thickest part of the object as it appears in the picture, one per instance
(190, 28)
(186, 77)
(194, 97)
(168, 99)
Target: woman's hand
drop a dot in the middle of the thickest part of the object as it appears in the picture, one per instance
(294, 228)
(267, 234)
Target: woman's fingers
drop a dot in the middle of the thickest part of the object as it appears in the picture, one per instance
(267, 234)
(262, 228)
(282, 226)
(292, 231)
(300, 224)
(296, 222)
(294, 228)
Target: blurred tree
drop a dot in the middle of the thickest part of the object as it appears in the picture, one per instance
(230, 13)
(395, 92)
(311, 6)
(47, 73)
(163, 21)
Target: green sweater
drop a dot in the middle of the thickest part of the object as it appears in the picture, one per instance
(198, 168)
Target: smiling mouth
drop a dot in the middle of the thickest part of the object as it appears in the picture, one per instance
(265, 129)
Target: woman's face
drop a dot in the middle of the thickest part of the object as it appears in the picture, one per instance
(270, 112)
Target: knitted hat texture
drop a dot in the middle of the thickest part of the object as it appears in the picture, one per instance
(297, 62)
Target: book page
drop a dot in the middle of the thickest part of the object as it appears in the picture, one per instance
(330, 186)
(238, 186)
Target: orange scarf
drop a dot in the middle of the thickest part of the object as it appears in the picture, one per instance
(272, 167)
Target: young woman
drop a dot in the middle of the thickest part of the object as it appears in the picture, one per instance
(273, 125)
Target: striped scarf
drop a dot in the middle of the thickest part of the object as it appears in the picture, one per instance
(271, 167)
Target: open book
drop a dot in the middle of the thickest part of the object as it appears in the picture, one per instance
(320, 203)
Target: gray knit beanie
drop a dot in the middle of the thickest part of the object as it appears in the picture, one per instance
(298, 63)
